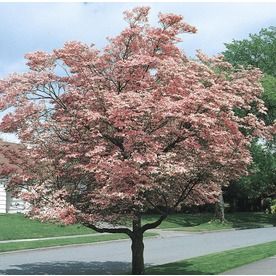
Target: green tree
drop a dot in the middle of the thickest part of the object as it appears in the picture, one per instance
(258, 51)
(262, 177)
(269, 97)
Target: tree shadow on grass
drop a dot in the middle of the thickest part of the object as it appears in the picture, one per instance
(181, 220)
(69, 268)
(247, 220)
(241, 220)
(189, 220)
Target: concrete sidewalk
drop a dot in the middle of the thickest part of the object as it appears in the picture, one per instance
(262, 267)
(54, 238)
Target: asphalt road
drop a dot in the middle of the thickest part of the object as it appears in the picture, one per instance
(114, 257)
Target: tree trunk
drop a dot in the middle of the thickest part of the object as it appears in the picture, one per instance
(137, 248)
(219, 209)
(234, 205)
(136, 236)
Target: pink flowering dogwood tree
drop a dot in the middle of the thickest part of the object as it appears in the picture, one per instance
(107, 135)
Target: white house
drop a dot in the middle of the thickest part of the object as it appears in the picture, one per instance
(8, 204)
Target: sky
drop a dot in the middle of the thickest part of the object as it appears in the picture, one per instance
(28, 27)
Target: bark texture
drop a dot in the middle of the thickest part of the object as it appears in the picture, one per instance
(219, 209)
(137, 246)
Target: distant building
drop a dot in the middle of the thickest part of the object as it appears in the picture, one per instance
(8, 204)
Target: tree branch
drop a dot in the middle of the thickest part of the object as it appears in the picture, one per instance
(117, 142)
(173, 143)
(153, 224)
(122, 230)
(185, 193)
(161, 124)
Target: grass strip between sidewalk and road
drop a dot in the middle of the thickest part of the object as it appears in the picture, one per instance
(217, 262)
(22, 245)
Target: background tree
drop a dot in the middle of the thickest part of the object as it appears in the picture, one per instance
(249, 191)
(269, 97)
(258, 51)
(108, 135)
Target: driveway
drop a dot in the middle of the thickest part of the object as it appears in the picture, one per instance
(115, 257)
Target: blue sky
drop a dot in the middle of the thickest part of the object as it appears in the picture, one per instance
(27, 27)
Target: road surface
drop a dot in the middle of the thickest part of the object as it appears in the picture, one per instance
(114, 257)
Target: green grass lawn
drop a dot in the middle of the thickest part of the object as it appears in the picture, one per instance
(205, 222)
(16, 226)
(218, 262)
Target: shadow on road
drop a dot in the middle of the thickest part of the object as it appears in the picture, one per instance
(69, 268)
